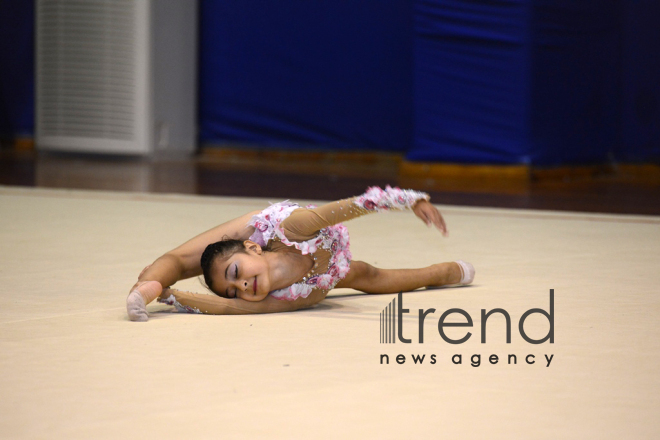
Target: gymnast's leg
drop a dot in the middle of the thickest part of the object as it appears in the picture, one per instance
(370, 279)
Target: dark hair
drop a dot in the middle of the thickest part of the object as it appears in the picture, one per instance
(222, 249)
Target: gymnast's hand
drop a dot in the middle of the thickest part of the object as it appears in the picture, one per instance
(142, 294)
(430, 215)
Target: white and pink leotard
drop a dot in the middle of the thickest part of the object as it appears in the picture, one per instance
(330, 244)
(316, 231)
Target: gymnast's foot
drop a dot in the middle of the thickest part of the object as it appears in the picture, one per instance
(456, 273)
(467, 272)
(140, 296)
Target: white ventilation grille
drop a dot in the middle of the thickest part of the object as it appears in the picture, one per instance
(86, 68)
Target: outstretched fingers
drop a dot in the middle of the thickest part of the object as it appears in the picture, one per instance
(431, 216)
(443, 225)
(438, 221)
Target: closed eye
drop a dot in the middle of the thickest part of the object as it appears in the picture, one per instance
(236, 278)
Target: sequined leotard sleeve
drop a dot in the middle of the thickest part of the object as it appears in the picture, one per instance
(317, 231)
(305, 223)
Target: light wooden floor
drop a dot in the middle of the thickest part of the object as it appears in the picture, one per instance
(73, 367)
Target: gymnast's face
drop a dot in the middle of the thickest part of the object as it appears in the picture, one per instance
(243, 275)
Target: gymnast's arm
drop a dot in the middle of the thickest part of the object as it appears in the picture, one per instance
(215, 305)
(184, 261)
(303, 224)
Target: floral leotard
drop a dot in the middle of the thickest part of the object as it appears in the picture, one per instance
(316, 231)
(332, 239)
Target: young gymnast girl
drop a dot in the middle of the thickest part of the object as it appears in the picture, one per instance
(286, 258)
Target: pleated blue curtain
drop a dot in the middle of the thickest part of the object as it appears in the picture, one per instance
(546, 82)
(472, 81)
(307, 74)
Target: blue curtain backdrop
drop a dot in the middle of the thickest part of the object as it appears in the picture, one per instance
(547, 82)
(319, 74)
(576, 73)
(471, 81)
(16, 68)
(641, 83)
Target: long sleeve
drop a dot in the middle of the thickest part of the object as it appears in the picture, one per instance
(305, 223)
(214, 305)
